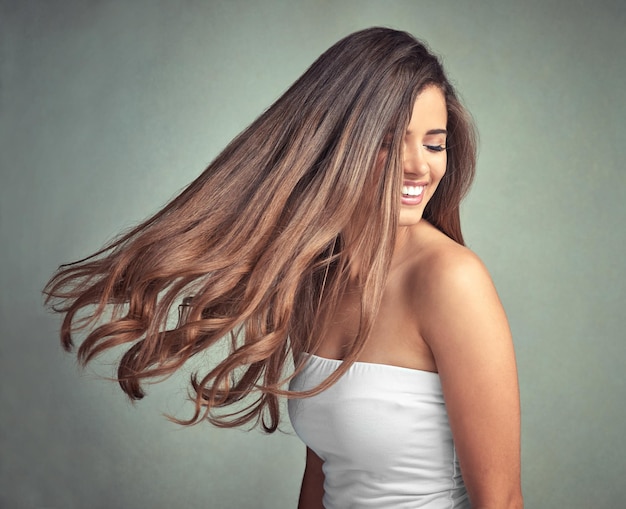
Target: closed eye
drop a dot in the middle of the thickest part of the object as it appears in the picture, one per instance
(435, 148)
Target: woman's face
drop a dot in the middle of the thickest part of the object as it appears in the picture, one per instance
(423, 154)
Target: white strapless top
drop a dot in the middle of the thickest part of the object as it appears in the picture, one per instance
(383, 434)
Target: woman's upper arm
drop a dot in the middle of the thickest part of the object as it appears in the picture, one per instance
(312, 490)
(468, 333)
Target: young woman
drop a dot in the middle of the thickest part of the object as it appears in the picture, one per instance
(324, 243)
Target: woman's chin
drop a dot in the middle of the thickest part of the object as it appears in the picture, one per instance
(410, 217)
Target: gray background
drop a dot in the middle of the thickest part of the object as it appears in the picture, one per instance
(108, 108)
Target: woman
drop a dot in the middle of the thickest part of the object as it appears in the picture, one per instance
(328, 234)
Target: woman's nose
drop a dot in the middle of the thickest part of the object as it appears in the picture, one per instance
(415, 160)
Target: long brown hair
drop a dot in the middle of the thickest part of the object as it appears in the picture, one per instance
(255, 248)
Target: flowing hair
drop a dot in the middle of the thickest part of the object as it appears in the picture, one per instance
(255, 249)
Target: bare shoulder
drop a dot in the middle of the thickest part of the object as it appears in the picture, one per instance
(453, 293)
(464, 324)
(444, 272)
(457, 302)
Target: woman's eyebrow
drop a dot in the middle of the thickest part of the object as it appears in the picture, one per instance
(432, 131)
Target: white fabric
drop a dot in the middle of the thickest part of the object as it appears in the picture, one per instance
(383, 434)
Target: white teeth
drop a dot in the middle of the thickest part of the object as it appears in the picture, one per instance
(412, 190)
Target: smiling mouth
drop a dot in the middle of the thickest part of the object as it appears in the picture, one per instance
(412, 191)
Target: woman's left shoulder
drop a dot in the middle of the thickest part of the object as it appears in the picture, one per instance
(459, 312)
(463, 322)
(453, 294)
(445, 268)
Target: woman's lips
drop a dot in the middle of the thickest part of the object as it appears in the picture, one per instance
(412, 194)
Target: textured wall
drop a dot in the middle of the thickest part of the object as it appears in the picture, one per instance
(108, 108)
